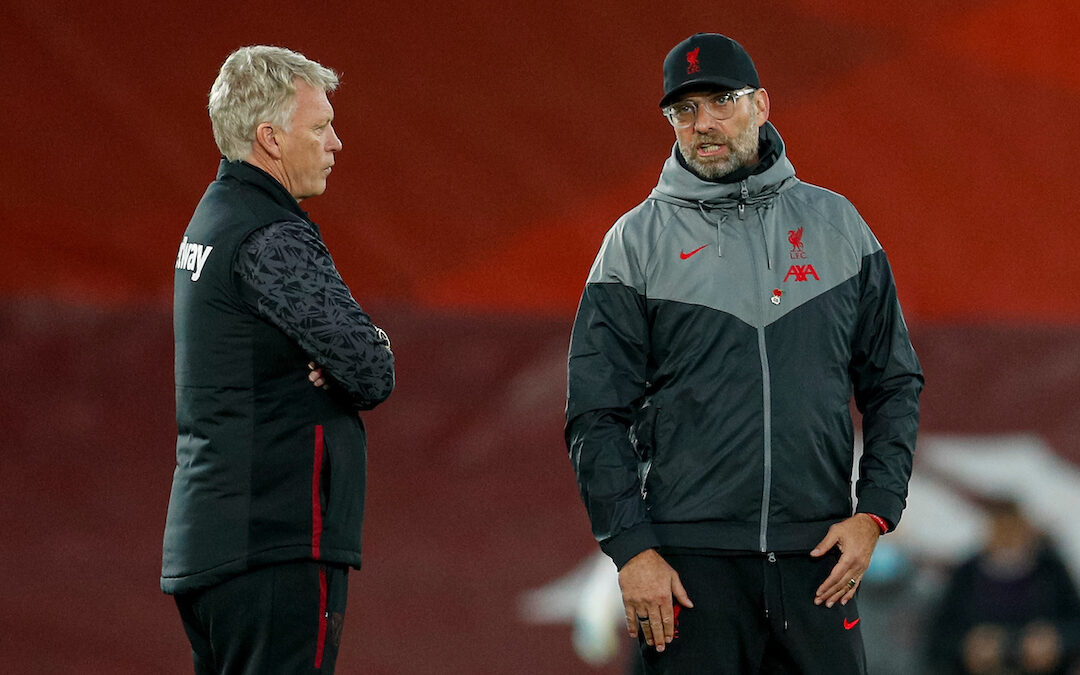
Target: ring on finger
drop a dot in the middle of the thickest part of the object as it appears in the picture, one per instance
(851, 583)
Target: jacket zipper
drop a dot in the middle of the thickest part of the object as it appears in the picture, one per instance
(766, 488)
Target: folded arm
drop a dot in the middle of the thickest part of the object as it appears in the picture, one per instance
(288, 277)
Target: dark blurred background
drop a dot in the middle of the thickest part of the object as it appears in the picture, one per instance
(487, 148)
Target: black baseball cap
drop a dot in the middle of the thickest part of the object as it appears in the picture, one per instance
(707, 60)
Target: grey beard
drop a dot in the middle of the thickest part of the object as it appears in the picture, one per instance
(713, 171)
(743, 148)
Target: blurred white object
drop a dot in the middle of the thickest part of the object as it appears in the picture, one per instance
(599, 619)
(589, 599)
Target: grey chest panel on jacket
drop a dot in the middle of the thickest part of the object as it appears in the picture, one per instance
(757, 265)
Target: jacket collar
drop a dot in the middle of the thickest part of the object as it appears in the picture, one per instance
(678, 184)
(252, 175)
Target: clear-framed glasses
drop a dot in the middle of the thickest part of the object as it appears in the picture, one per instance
(721, 106)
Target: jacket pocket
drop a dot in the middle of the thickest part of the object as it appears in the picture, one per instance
(643, 440)
(643, 432)
(342, 477)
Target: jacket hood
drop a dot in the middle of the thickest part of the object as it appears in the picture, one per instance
(678, 185)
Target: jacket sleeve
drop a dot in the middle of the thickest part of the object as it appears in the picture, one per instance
(287, 276)
(887, 380)
(605, 384)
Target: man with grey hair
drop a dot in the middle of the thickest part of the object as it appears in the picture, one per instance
(274, 362)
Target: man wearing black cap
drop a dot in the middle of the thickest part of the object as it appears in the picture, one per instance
(725, 325)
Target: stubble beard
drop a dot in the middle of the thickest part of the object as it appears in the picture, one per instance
(742, 149)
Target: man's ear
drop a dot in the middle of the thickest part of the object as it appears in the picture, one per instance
(266, 139)
(761, 100)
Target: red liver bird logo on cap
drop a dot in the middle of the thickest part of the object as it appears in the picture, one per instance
(692, 60)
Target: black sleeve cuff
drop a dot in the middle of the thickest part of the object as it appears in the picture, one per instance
(628, 543)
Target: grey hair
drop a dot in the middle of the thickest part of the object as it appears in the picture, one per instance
(255, 85)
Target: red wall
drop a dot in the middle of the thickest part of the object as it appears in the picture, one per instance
(488, 146)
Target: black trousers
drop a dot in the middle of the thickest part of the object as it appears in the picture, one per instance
(755, 613)
(284, 618)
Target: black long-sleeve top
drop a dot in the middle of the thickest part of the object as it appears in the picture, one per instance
(288, 278)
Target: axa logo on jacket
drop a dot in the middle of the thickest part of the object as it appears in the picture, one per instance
(802, 273)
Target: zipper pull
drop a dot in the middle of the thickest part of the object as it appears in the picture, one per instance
(771, 557)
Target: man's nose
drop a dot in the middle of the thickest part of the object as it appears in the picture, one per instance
(703, 121)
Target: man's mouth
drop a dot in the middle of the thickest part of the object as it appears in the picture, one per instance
(711, 149)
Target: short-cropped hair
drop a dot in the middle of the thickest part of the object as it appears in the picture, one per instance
(256, 85)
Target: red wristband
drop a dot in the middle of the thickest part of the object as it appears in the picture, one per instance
(880, 522)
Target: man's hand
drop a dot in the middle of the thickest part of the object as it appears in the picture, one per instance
(1041, 647)
(856, 538)
(983, 649)
(648, 584)
(315, 376)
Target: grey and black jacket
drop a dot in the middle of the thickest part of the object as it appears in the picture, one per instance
(720, 337)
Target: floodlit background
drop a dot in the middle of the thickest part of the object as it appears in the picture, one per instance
(487, 148)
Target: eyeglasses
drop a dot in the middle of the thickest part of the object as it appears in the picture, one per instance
(721, 107)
